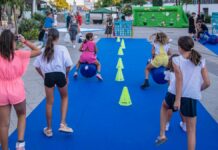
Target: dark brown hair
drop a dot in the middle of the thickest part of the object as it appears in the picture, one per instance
(7, 39)
(89, 36)
(170, 63)
(53, 35)
(187, 44)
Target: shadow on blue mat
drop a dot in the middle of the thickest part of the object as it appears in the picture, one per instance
(100, 123)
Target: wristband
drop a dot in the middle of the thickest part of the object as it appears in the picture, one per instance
(25, 42)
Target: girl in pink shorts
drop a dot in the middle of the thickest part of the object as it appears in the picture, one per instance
(12, 93)
(89, 50)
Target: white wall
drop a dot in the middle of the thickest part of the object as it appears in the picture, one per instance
(194, 8)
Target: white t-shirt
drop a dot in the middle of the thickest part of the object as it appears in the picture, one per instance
(157, 48)
(170, 76)
(129, 18)
(59, 63)
(192, 77)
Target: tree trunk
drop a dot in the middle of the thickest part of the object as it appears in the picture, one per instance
(15, 20)
(0, 15)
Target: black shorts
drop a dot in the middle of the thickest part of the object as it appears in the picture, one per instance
(188, 106)
(191, 30)
(55, 78)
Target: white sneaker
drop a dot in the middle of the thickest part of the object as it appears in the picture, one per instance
(48, 132)
(20, 146)
(183, 126)
(65, 128)
(167, 126)
(74, 46)
(75, 75)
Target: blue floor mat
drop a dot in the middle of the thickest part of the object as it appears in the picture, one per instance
(212, 47)
(100, 123)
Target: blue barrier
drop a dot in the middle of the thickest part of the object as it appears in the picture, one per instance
(214, 20)
(123, 28)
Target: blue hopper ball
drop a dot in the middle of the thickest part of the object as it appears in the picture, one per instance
(88, 70)
(158, 75)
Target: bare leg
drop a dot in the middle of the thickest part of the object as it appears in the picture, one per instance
(64, 103)
(21, 115)
(182, 117)
(4, 125)
(163, 119)
(98, 75)
(98, 66)
(147, 70)
(49, 103)
(191, 131)
(169, 115)
(77, 66)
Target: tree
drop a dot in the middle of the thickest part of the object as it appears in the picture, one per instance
(157, 2)
(17, 7)
(2, 3)
(126, 1)
(186, 2)
(138, 2)
(61, 4)
(116, 2)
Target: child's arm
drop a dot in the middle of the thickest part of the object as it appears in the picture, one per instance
(206, 79)
(67, 73)
(169, 53)
(39, 72)
(153, 52)
(80, 49)
(179, 81)
(151, 36)
(68, 70)
(96, 49)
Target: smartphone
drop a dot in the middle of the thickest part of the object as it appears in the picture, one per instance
(17, 38)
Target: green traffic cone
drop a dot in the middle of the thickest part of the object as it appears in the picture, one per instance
(120, 64)
(123, 44)
(118, 39)
(119, 76)
(120, 51)
(125, 99)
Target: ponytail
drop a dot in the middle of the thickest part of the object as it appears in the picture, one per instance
(195, 57)
(53, 35)
(186, 43)
(49, 50)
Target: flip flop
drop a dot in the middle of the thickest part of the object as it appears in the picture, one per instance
(160, 141)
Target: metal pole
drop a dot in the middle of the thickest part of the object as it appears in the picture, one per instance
(199, 7)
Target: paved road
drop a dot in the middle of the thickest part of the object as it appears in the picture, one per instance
(34, 84)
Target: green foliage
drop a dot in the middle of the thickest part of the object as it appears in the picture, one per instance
(138, 2)
(127, 10)
(40, 18)
(207, 19)
(31, 35)
(157, 2)
(29, 28)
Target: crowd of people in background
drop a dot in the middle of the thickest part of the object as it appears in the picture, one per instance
(197, 26)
